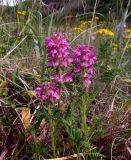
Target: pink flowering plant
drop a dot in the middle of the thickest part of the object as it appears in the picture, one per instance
(67, 66)
(70, 71)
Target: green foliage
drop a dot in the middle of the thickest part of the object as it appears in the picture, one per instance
(3, 88)
(103, 50)
(15, 75)
(29, 77)
(109, 75)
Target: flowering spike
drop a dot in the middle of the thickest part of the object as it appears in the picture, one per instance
(48, 91)
(83, 59)
(57, 49)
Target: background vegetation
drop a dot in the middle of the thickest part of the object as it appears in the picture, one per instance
(87, 122)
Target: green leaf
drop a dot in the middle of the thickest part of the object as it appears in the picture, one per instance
(29, 77)
(3, 88)
(15, 75)
(108, 75)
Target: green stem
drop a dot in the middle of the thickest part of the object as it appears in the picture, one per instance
(52, 133)
(43, 50)
(84, 125)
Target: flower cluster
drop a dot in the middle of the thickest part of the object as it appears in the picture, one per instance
(76, 29)
(48, 91)
(83, 60)
(58, 56)
(21, 13)
(57, 50)
(127, 33)
(128, 46)
(105, 32)
(83, 25)
(114, 46)
(67, 64)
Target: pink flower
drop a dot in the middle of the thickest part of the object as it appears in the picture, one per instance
(57, 50)
(61, 78)
(47, 92)
(83, 59)
(86, 79)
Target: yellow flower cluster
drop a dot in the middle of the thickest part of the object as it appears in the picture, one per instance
(128, 46)
(21, 13)
(82, 26)
(105, 32)
(114, 47)
(103, 22)
(127, 34)
(85, 22)
(76, 29)
(96, 18)
(127, 30)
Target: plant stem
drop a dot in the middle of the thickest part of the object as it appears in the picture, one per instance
(52, 133)
(84, 128)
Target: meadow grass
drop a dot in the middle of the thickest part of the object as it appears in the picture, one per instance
(74, 120)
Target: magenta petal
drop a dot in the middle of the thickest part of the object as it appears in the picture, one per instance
(57, 50)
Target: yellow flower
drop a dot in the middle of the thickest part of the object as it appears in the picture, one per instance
(114, 47)
(105, 32)
(127, 31)
(89, 22)
(83, 24)
(128, 46)
(96, 18)
(103, 22)
(21, 13)
(76, 29)
(127, 34)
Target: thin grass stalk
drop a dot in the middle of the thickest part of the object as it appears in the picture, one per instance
(14, 48)
(123, 53)
(50, 24)
(120, 26)
(90, 31)
(42, 49)
(48, 28)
